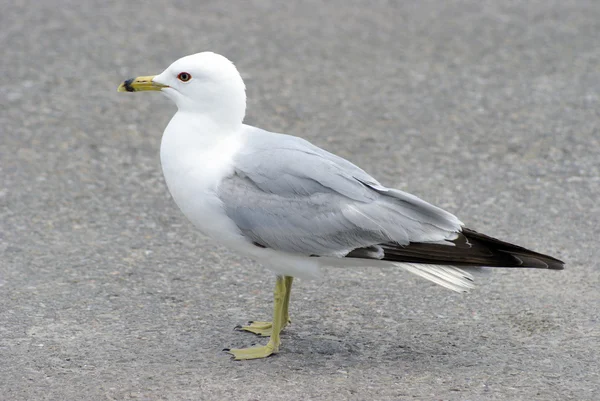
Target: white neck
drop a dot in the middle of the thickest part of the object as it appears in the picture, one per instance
(191, 132)
(217, 104)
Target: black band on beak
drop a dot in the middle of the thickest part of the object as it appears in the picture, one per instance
(128, 86)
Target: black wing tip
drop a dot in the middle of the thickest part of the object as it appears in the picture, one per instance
(471, 249)
(526, 257)
(556, 265)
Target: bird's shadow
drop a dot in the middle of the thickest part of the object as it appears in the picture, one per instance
(351, 349)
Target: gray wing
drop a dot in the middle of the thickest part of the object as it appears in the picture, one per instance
(290, 195)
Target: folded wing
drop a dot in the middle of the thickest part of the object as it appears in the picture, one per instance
(289, 195)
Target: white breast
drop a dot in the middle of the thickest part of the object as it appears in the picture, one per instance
(194, 161)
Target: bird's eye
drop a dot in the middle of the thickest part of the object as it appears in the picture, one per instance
(184, 76)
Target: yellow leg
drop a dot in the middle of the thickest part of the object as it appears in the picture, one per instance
(265, 329)
(285, 313)
(272, 347)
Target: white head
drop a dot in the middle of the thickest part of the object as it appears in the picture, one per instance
(204, 83)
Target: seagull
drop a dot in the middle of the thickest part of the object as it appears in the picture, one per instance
(295, 207)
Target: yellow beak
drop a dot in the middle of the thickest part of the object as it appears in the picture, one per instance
(141, 84)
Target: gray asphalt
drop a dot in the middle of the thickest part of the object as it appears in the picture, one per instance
(488, 109)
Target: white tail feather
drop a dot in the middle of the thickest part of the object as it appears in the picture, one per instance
(450, 277)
